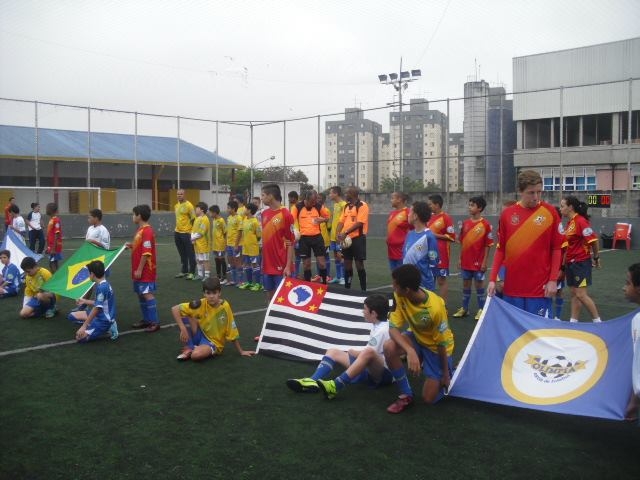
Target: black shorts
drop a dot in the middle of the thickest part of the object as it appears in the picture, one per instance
(357, 250)
(578, 274)
(313, 244)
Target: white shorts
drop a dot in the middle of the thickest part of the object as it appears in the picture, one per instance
(202, 257)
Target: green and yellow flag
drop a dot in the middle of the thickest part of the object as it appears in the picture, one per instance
(72, 278)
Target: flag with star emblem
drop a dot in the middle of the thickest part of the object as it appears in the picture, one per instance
(304, 319)
(72, 278)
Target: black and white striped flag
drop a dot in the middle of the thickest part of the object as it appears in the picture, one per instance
(305, 319)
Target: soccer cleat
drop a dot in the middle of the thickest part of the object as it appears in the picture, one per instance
(189, 276)
(51, 313)
(244, 286)
(328, 387)
(180, 275)
(185, 354)
(400, 405)
(223, 282)
(153, 327)
(316, 278)
(256, 287)
(139, 325)
(197, 278)
(479, 314)
(303, 385)
(341, 281)
(333, 280)
(231, 284)
(461, 313)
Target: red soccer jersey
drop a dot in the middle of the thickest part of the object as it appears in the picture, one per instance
(397, 228)
(579, 235)
(277, 228)
(475, 237)
(527, 237)
(144, 243)
(441, 224)
(54, 235)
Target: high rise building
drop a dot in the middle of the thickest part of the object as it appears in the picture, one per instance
(352, 151)
(456, 161)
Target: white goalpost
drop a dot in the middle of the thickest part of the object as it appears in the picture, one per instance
(37, 194)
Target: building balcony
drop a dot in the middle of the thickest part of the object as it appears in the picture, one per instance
(586, 155)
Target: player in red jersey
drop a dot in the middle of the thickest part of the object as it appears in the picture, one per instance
(54, 237)
(529, 243)
(476, 239)
(442, 227)
(277, 239)
(580, 242)
(143, 268)
(397, 227)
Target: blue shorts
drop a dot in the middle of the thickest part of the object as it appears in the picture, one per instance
(365, 377)
(271, 282)
(537, 306)
(431, 365)
(39, 309)
(335, 246)
(472, 275)
(96, 328)
(199, 338)
(393, 264)
(142, 288)
(501, 273)
(441, 272)
(233, 251)
(247, 259)
(55, 257)
(578, 274)
(8, 294)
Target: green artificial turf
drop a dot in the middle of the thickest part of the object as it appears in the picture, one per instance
(128, 409)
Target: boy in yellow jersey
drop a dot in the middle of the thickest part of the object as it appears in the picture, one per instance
(335, 194)
(37, 302)
(242, 206)
(234, 223)
(207, 324)
(427, 343)
(200, 241)
(218, 242)
(185, 215)
(250, 235)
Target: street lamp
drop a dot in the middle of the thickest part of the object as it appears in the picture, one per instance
(400, 81)
(253, 166)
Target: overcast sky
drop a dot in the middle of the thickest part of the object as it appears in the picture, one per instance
(271, 60)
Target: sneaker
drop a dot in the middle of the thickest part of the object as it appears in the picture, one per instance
(328, 387)
(400, 405)
(461, 313)
(224, 282)
(341, 281)
(139, 325)
(51, 313)
(478, 314)
(316, 278)
(244, 286)
(185, 354)
(189, 276)
(153, 327)
(180, 275)
(231, 284)
(197, 278)
(333, 280)
(113, 331)
(303, 385)
(256, 287)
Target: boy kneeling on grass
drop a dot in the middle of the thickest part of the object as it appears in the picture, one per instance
(102, 318)
(37, 302)
(364, 365)
(10, 280)
(207, 324)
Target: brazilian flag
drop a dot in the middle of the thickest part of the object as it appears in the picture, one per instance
(72, 278)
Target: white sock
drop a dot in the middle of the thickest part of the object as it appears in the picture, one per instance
(597, 320)
(573, 320)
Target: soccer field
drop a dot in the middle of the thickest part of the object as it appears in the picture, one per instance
(128, 409)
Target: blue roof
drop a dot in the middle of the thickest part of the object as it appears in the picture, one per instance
(19, 142)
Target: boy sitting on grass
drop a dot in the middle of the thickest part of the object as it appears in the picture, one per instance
(10, 280)
(207, 324)
(362, 365)
(37, 302)
(102, 318)
(632, 293)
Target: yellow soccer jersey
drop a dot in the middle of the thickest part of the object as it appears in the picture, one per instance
(338, 208)
(201, 226)
(33, 284)
(251, 233)
(427, 320)
(216, 323)
(185, 213)
(219, 235)
(234, 223)
(242, 211)
(324, 229)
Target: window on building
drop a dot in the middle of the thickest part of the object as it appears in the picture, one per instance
(635, 126)
(537, 133)
(571, 131)
(635, 185)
